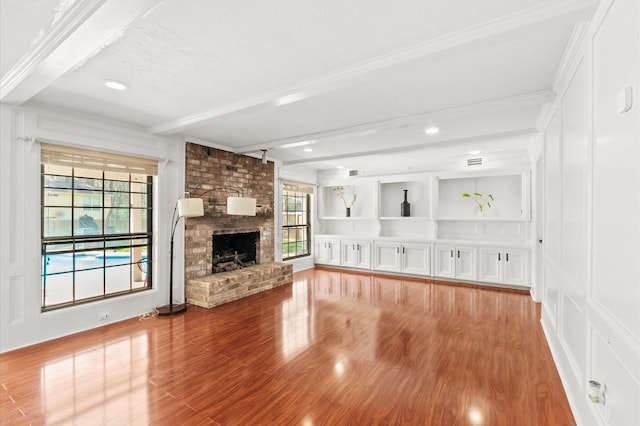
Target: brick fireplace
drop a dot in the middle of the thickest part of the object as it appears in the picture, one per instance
(221, 171)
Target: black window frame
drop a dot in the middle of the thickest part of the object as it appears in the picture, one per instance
(287, 228)
(79, 244)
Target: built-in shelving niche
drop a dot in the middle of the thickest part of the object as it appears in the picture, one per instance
(420, 222)
(508, 218)
(438, 210)
(509, 192)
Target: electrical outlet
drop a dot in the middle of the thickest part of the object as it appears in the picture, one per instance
(104, 316)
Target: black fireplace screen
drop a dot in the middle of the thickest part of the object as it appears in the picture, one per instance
(234, 251)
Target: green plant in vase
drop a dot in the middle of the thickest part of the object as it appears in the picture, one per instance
(339, 190)
(480, 199)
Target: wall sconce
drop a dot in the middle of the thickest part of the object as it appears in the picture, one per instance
(264, 156)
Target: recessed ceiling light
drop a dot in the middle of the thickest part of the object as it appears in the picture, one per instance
(431, 130)
(112, 84)
(295, 144)
(340, 167)
(474, 152)
(291, 98)
(308, 150)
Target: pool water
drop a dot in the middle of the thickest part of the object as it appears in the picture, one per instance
(55, 263)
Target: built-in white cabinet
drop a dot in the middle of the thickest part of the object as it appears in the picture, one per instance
(408, 258)
(453, 239)
(356, 254)
(327, 251)
(455, 262)
(508, 266)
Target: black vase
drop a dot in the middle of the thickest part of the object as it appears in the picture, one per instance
(405, 207)
(348, 211)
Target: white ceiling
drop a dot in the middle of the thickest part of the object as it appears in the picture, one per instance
(358, 81)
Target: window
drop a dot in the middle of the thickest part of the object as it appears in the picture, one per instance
(96, 225)
(296, 227)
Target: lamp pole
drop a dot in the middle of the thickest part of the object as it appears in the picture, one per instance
(172, 309)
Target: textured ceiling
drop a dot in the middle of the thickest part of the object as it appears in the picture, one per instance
(356, 77)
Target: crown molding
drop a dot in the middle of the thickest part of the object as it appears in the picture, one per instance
(341, 77)
(82, 30)
(57, 33)
(570, 59)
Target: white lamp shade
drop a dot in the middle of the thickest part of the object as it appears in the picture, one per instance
(241, 206)
(190, 207)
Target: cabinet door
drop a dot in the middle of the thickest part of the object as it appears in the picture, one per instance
(516, 267)
(445, 262)
(363, 256)
(322, 251)
(349, 253)
(327, 251)
(334, 252)
(490, 261)
(416, 259)
(387, 257)
(466, 263)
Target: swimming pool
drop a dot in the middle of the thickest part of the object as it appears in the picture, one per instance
(56, 263)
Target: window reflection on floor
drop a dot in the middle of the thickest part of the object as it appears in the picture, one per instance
(94, 384)
(296, 326)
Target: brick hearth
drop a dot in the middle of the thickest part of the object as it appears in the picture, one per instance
(216, 289)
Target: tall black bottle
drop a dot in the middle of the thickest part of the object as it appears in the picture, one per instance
(405, 207)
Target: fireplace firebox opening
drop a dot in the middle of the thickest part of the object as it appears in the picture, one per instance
(234, 251)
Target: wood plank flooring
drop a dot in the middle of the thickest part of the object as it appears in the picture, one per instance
(332, 348)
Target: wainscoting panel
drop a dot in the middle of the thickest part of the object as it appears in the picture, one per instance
(16, 296)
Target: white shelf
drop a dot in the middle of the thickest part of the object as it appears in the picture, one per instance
(482, 219)
(405, 218)
(346, 218)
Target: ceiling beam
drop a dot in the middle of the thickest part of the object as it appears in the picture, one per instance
(83, 30)
(536, 98)
(448, 143)
(578, 9)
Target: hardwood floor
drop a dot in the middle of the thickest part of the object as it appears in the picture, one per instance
(332, 348)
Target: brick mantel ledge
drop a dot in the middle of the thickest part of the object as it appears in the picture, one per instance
(216, 289)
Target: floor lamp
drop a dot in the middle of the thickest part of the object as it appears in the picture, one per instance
(185, 207)
(193, 207)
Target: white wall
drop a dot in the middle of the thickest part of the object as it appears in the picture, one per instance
(21, 321)
(591, 249)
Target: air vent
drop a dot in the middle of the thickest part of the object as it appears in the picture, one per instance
(353, 173)
(474, 162)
